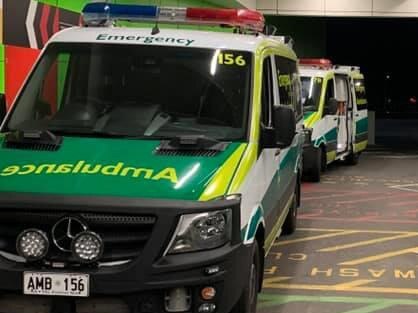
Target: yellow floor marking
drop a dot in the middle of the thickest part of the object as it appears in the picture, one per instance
(356, 230)
(355, 283)
(368, 242)
(278, 279)
(380, 256)
(274, 283)
(330, 230)
(334, 234)
(355, 286)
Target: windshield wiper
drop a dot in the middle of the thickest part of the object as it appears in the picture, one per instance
(158, 122)
(193, 142)
(88, 133)
(19, 138)
(310, 108)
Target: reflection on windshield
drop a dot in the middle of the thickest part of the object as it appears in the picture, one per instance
(137, 91)
(311, 93)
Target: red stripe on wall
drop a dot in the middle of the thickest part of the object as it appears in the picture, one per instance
(56, 26)
(19, 61)
(44, 23)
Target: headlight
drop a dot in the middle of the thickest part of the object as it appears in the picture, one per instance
(201, 231)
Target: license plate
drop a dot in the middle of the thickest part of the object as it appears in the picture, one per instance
(54, 284)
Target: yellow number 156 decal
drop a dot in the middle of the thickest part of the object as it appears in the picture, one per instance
(231, 59)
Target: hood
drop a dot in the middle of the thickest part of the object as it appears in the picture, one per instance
(310, 118)
(112, 167)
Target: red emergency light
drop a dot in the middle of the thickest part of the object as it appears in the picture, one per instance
(235, 17)
(321, 63)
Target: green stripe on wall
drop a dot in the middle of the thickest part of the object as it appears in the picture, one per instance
(2, 70)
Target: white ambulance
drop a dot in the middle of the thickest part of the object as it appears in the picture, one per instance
(335, 114)
(150, 169)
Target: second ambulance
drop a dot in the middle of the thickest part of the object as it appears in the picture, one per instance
(336, 118)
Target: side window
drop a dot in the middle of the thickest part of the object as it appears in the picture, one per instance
(267, 94)
(361, 96)
(297, 91)
(289, 84)
(343, 94)
(330, 93)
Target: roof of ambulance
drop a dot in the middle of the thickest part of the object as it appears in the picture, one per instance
(166, 37)
(311, 71)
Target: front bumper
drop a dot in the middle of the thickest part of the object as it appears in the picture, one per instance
(141, 285)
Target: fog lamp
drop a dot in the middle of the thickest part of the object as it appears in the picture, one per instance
(208, 293)
(178, 300)
(32, 244)
(87, 247)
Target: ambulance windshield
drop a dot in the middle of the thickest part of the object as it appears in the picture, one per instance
(137, 91)
(311, 92)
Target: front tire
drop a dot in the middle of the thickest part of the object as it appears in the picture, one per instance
(290, 223)
(352, 159)
(317, 168)
(247, 303)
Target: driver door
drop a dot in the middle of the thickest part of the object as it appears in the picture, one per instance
(326, 129)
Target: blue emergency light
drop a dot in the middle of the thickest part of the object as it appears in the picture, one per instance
(106, 11)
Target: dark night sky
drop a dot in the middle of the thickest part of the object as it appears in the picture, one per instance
(380, 47)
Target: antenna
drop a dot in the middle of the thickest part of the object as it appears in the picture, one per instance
(156, 30)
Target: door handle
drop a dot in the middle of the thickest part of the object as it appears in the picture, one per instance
(335, 118)
(278, 151)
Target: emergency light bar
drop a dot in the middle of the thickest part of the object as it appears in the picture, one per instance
(101, 13)
(322, 63)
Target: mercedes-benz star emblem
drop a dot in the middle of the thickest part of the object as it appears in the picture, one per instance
(65, 230)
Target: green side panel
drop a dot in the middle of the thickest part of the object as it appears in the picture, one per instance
(254, 223)
(112, 167)
(77, 5)
(307, 115)
(331, 136)
(362, 126)
(2, 69)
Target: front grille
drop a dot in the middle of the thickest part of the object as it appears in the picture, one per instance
(124, 236)
(30, 146)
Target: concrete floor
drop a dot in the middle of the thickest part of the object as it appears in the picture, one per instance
(356, 247)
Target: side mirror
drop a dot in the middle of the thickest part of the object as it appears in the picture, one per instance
(332, 107)
(285, 126)
(3, 107)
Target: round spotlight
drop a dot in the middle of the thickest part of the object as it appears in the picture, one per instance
(87, 247)
(208, 293)
(32, 244)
